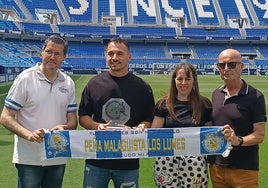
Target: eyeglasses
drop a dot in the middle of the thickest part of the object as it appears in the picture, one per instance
(50, 53)
(230, 65)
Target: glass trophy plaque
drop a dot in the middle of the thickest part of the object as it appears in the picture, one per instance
(116, 111)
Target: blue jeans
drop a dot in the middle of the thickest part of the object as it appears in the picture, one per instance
(95, 177)
(40, 176)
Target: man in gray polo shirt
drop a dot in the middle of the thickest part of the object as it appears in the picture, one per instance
(41, 97)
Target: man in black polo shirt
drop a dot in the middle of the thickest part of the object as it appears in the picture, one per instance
(240, 109)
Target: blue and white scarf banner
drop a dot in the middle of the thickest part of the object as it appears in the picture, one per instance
(134, 143)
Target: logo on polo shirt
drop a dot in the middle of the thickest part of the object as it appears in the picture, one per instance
(63, 90)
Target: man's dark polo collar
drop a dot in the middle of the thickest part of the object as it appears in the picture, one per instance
(243, 90)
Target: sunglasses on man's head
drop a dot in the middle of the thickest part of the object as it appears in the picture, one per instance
(230, 65)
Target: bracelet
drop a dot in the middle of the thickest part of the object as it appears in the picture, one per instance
(241, 140)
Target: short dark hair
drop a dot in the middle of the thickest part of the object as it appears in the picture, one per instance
(118, 40)
(58, 40)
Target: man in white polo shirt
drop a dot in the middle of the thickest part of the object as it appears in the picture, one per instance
(41, 97)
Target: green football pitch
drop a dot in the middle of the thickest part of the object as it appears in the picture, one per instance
(74, 170)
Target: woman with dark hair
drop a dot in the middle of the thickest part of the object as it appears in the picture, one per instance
(183, 106)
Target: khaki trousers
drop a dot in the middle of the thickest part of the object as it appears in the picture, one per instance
(222, 177)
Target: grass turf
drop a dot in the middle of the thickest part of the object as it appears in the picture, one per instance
(74, 170)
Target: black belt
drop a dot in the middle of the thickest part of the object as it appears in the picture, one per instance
(225, 165)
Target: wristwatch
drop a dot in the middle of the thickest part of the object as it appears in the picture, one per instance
(241, 140)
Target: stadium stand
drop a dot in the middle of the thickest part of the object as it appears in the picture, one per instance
(161, 33)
